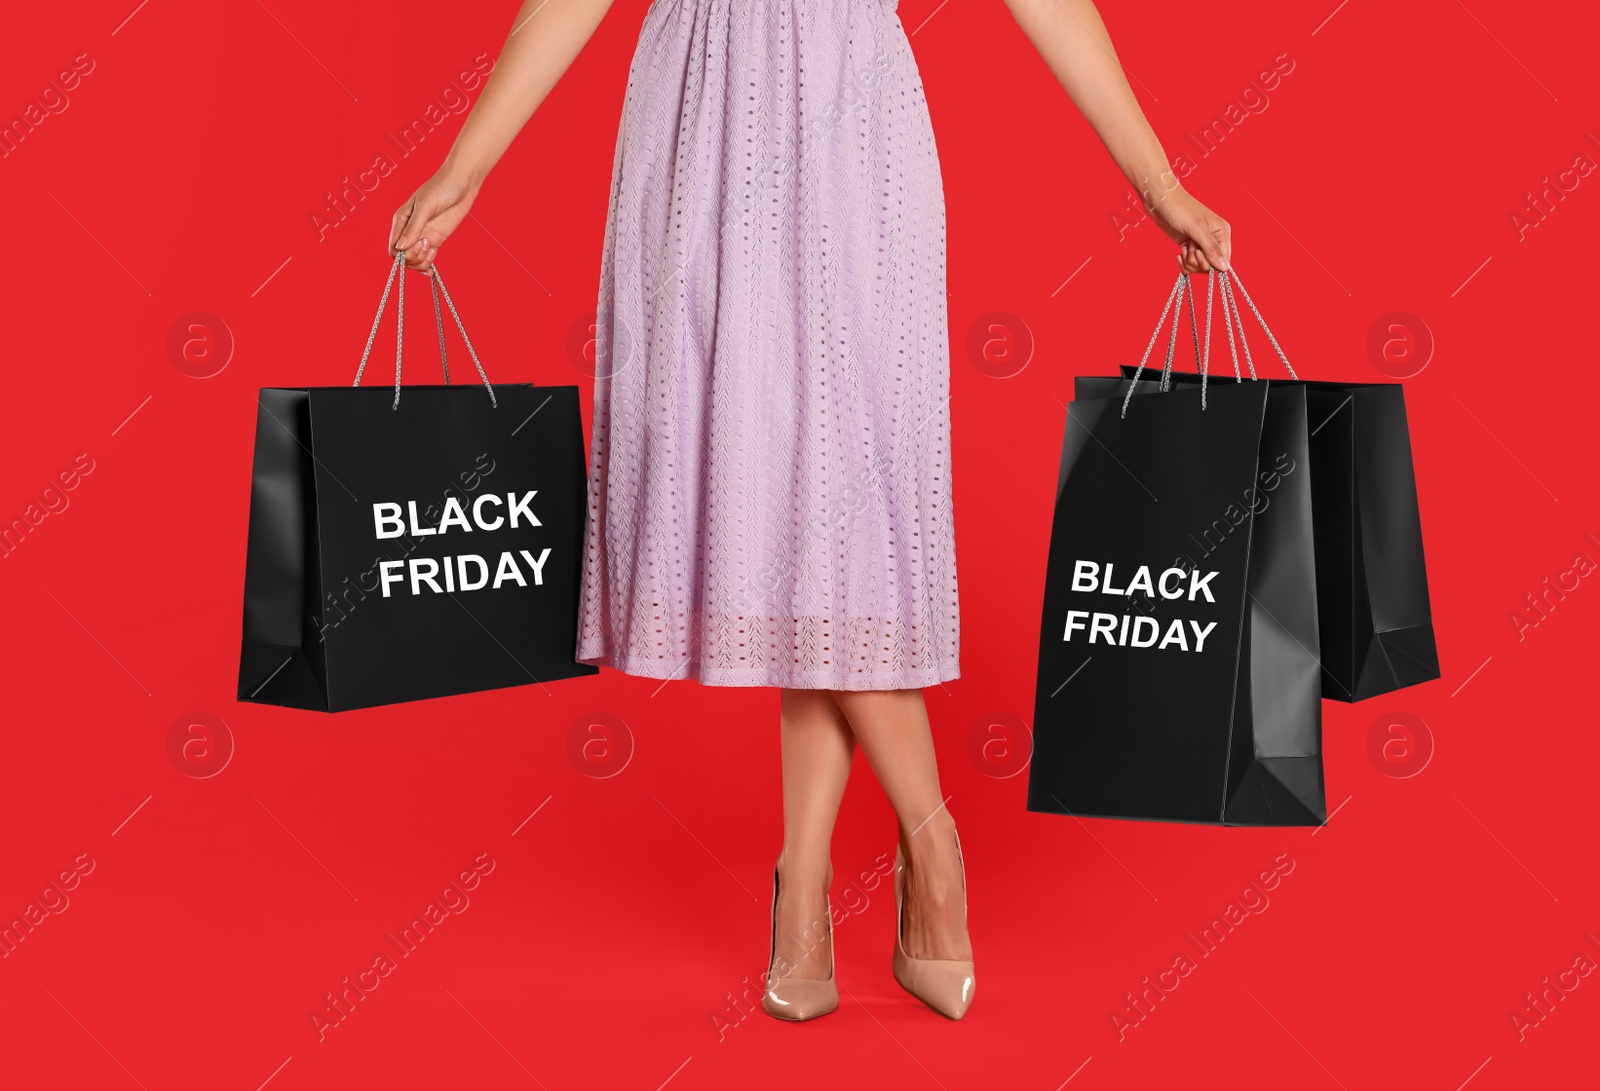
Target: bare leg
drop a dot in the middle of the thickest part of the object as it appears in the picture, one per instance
(817, 750)
(892, 727)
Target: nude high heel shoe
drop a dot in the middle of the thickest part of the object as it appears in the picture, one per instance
(945, 985)
(792, 998)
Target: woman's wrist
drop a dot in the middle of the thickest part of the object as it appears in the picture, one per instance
(1154, 184)
(1147, 170)
(466, 176)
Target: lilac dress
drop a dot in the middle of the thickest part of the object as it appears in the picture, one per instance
(769, 492)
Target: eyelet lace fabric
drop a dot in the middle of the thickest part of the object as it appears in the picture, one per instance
(769, 493)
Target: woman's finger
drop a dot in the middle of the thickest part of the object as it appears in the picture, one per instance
(1193, 259)
(400, 237)
(417, 254)
(1217, 242)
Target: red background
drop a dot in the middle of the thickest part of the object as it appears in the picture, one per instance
(182, 177)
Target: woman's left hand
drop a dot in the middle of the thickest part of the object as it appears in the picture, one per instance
(1204, 236)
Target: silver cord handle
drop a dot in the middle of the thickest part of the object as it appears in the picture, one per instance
(1172, 342)
(397, 273)
(472, 352)
(1229, 318)
(388, 285)
(1237, 283)
(1205, 364)
(1232, 318)
(1181, 290)
(438, 320)
(1194, 332)
(1177, 288)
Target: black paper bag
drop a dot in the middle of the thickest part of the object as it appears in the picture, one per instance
(1178, 651)
(1372, 578)
(413, 544)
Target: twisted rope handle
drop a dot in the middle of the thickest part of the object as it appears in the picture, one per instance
(1180, 288)
(1232, 317)
(388, 285)
(1233, 274)
(472, 352)
(1177, 287)
(438, 320)
(1205, 364)
(1228, 320)
(1194, 332)
(397, 273)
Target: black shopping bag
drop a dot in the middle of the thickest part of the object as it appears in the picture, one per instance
(1178, 652)
(1372, 578)
(404, 547)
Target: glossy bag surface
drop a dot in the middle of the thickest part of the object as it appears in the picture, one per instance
(401, 550)
(1372, 576)
(1179, 677)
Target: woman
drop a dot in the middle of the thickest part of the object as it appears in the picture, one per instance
(770, 471)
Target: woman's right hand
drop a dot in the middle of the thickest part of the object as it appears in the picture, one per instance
(423, 223)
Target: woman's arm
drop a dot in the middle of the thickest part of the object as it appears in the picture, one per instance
(1071, 38)
(544, 40)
